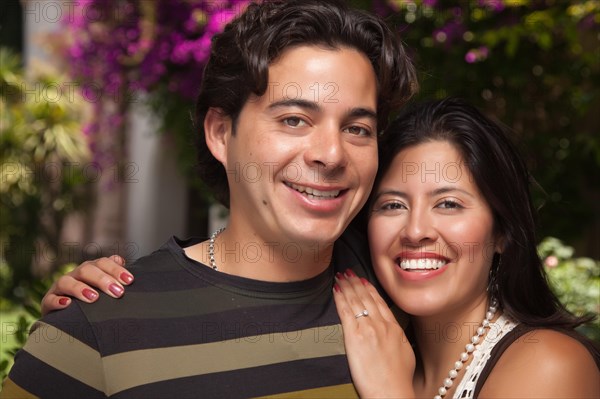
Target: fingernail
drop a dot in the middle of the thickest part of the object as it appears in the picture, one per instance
(115, 289)
(349, 273)
(89, 294)
(339, 276)
(336, 288)
(126, 278)
(63, 301)
(364, 281)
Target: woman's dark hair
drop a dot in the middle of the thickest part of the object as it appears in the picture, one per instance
(500, 173)
(241, 55)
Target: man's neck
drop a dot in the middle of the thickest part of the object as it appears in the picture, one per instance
(264, 260)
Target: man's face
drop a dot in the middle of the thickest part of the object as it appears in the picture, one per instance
(304, 156)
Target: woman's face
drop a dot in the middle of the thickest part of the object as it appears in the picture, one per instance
(431, 232)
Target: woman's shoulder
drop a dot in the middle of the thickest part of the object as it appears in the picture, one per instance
(552, 348)
(545, 363)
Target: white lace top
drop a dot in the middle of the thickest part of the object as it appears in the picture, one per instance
(502, 326)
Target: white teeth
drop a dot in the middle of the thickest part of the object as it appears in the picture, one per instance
(421, 264)
(314, 193)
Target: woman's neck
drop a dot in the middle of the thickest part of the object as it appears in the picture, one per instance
(440, 341)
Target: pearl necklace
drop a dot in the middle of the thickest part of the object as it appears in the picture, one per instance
(469, 348)
(211, 248)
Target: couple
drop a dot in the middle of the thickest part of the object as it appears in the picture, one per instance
(450, 228)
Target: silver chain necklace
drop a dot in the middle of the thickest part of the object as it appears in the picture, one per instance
(211, 248)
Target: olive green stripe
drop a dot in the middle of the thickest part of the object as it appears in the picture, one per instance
(223, 356)
(66, 354)
(344, 391)
(10, 390)
(184, 303)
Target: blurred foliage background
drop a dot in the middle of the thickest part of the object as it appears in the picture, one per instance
(533, 64)
(42, 152)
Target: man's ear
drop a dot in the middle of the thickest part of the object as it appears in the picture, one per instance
(217, 132)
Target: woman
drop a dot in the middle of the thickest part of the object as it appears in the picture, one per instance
(451, 234)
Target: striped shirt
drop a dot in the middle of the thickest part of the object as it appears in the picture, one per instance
(184, 330)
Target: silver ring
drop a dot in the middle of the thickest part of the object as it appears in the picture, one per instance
(361, 314)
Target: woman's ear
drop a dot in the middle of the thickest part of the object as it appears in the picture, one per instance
(217, 132)
(499, 244)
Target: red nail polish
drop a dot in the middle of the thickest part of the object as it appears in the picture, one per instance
(337, 288)
(364, 281)
(339, 276)
(89, 294)
(126, 278)
(349, 273)
(115, 289)
(63, 301)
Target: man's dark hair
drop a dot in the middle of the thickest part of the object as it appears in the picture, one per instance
(241, 55)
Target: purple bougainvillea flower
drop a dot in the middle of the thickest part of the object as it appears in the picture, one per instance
(494, 5)
(470, 57)
(117, 50)
(477, 54)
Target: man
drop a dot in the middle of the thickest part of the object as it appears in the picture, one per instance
(291, 102)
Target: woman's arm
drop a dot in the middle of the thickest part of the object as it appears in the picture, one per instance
(381, 359)
(107, 274)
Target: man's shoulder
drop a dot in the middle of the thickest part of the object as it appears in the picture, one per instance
(351, 250)
(160, 278)
(165, 258)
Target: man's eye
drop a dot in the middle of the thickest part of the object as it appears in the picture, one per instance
(294, 121)
(358, 131)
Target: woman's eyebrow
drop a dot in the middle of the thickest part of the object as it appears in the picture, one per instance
(394, 193)
(446, 190)
(432, 193)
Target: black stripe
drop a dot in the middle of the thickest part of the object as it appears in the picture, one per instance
(256, 381)
(53, 383)
(183, 303)
(72, 321)
(124, 335)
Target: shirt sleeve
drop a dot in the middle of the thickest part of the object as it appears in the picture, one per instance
(59, 360)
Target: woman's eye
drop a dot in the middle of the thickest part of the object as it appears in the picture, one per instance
(294, 121)
(390, 206)
(449, 204)
(358, 131)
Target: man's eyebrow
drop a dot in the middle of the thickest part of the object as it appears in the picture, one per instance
(362, 113)
(358, 112)
(313, 106)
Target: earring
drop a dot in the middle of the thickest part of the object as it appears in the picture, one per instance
(492, 287)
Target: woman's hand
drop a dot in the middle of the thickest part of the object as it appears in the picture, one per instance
(381, 359)
(106, 274)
